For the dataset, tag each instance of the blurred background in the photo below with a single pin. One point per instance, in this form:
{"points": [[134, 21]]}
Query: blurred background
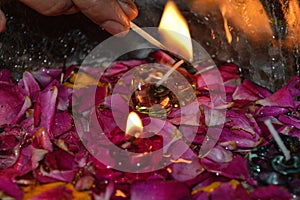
{"points": [[261, 36]]}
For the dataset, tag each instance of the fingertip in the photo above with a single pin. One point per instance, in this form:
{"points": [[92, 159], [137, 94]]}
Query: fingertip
{"points": [[129, 8], [2, 21], [114, 27]]}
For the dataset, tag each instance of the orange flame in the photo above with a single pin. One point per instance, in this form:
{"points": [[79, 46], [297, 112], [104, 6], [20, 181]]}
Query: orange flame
{"points": [[293, 24], [249, 17], [134, 126], [175, 31]]}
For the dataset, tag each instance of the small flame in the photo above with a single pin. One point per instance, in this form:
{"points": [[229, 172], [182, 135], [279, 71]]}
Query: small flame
{"points": [[134, 126], [175, 31]]}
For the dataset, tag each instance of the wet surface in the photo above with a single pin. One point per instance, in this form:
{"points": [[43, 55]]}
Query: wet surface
{"points": [[32, 41]]}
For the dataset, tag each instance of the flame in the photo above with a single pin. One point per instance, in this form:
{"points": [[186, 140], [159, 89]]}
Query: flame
{"points": [[134, 126], [226, 26], [175, 31], [249, 17], [293, 24]]}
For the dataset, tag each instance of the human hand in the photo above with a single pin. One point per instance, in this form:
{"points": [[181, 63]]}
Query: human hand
{"points": [[112, 15]]}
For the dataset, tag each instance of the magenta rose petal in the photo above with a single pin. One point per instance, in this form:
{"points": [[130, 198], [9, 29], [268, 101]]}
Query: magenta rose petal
{"points": [[27, 104], [41, 140], [55, 175], [240, 120], [201, 196], [231, 193], [238, 138], [186, 167], [11, 103], [270, 111], [48, 101], [159, 190], [62, 123], [229, 71], [29, 86], [58, 166], [10, 188], [283, 97], [237, 168], [46, 76], [289, 120], [36, 121], [293, 86], [62, 97], [270, 192], [243, 93], [27, 161], [250, 91], [219, 154]]}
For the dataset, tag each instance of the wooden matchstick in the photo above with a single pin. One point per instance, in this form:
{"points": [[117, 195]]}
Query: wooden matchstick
{"points": [[147, 36]]}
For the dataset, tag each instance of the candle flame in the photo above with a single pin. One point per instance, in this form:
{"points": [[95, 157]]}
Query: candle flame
{"points": [[134, 126], [175, 32]]}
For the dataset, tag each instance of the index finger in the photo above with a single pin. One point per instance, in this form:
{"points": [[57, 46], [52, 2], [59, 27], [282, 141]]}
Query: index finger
{"points": [[108, 13]]}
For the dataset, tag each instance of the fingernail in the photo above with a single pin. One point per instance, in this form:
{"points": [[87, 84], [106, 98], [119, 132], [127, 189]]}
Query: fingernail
{"points": [[129, 8], [128, 3], [113, 27]]}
